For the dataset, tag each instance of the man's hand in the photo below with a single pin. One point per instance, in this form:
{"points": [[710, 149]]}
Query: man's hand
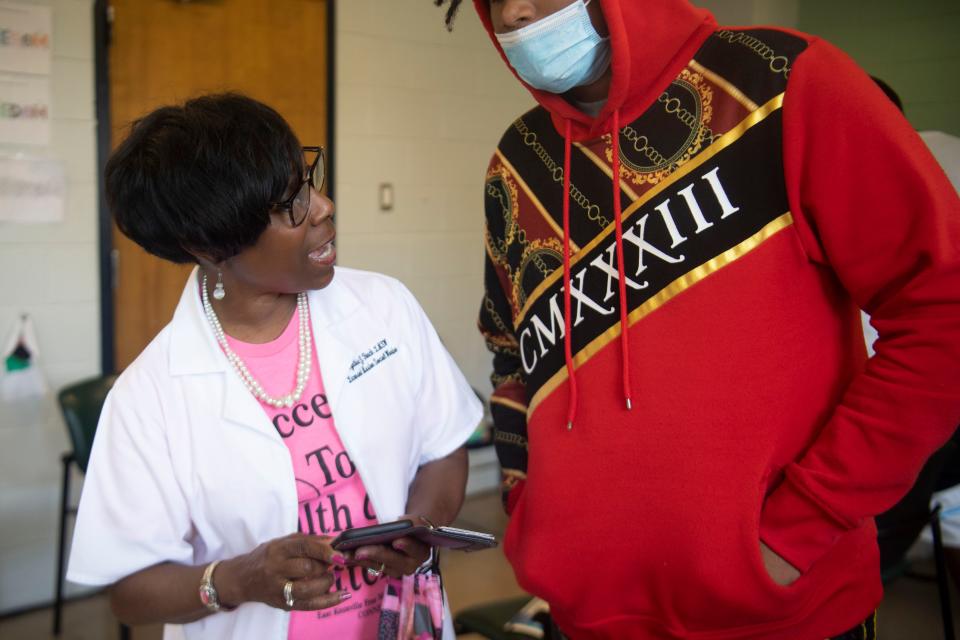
{"points": [[779, 570]]}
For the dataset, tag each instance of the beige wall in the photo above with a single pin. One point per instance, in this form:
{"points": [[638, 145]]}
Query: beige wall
{"points": [[747, 12], [422, 109], [50, 271]]}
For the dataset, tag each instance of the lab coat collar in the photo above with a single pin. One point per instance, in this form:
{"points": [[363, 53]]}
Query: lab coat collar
{"points": [[194, 349], [330, 310]]}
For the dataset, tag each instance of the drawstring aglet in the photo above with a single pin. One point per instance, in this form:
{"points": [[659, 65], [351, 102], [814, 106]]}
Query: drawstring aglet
{"points": [[569, 425], [629, 405]]}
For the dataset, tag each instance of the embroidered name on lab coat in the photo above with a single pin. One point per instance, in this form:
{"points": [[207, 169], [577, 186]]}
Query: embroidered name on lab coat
{"points": [[370, 358]]}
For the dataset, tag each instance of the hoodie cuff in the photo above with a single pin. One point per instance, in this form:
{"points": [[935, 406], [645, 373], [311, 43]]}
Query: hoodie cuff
{"points": [[796, 527]]}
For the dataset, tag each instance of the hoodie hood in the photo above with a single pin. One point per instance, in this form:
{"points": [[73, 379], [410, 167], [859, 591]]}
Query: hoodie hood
{"points": [[651, 41]]}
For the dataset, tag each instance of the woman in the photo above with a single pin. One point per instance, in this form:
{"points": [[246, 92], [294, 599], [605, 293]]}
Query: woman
{"points": [[281, 405]]}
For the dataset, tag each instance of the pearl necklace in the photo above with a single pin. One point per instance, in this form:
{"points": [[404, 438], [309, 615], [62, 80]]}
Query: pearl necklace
{"points": [[303, 367]]}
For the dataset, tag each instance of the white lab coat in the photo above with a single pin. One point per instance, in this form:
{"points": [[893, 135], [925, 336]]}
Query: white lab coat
{"points": [[187, 468]]}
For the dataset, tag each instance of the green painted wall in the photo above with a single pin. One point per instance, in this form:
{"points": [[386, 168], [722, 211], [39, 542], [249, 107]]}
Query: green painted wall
{"points": [[914, 45]]}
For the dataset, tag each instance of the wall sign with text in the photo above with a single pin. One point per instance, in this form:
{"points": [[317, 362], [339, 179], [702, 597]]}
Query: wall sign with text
{"points": [[26, 38]]}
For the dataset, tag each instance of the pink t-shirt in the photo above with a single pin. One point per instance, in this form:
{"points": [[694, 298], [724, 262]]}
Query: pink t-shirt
{"points": [[331, 493]]}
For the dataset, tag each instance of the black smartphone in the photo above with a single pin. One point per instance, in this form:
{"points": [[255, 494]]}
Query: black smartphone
{"points": [[374, 534], [446, 537]]}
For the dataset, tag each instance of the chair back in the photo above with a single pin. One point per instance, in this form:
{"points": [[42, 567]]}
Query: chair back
{"points": [[81, 404]]}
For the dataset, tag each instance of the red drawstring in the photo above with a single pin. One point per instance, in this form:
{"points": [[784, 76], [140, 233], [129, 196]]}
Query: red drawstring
{"points": [[567, 324], [618, 219]]}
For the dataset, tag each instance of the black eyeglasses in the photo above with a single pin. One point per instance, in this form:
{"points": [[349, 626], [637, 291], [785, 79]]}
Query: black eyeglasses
{"points": [[297, 206]]}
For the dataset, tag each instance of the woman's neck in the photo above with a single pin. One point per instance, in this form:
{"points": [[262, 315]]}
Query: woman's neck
{"points": [[252, 317]]}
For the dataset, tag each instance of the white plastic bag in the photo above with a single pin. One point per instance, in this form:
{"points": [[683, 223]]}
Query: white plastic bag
{"points": [[20, 377]]}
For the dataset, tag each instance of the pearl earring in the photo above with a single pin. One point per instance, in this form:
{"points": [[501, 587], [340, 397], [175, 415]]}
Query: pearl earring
{"points": [[218, 292]]}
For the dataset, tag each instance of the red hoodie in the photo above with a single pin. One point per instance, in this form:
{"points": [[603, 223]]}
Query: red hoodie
{"points": [[767, 190]]}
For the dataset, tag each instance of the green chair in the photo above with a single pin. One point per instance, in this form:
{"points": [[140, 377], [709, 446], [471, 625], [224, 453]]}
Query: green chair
{"points": [[80, 404]]}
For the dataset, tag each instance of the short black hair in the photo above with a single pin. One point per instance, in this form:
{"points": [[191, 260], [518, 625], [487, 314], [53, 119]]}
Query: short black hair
{"points": [[451, 11], [199, 178]]}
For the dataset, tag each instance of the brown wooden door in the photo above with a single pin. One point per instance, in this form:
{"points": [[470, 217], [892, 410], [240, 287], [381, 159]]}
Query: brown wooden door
{"points": [[166, 51]]}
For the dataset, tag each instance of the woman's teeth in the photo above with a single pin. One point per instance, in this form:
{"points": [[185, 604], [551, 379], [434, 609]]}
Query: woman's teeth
{"points": [[324, 253]]}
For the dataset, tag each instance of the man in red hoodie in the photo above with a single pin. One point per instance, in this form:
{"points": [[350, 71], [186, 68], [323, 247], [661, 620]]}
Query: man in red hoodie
{"points": [[679, 240]]}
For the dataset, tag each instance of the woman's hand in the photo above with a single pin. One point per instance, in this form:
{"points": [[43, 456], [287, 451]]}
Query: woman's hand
{"points": [[779, 570], [402, 557], [260, 576], [437, 492]]}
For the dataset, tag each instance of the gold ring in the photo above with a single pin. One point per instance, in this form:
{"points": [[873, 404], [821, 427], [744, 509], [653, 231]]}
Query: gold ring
{"points": [[288, 594]]}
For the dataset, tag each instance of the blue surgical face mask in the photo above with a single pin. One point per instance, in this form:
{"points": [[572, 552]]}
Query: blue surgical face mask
{"points": [[559, 52]]}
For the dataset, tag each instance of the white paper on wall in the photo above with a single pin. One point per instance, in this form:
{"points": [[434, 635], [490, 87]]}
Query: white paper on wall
{"points": [[32, 189], [26, 38], [24, 109]]}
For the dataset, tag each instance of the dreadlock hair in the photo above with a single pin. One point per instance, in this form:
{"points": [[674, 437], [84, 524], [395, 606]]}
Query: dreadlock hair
{"points": [[451, 11]]}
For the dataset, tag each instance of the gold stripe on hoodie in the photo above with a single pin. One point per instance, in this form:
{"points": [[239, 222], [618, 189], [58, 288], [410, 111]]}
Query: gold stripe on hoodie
{"points": [[666, 294], [506, 402], [533, 198], [719, 145], [724, 84]]}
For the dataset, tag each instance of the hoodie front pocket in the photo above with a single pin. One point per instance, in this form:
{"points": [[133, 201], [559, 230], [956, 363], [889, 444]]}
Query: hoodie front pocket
{"points": [[731, 589]]}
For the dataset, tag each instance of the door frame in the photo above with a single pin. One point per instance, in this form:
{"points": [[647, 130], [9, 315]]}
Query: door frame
{"points": [[102, 35]]}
